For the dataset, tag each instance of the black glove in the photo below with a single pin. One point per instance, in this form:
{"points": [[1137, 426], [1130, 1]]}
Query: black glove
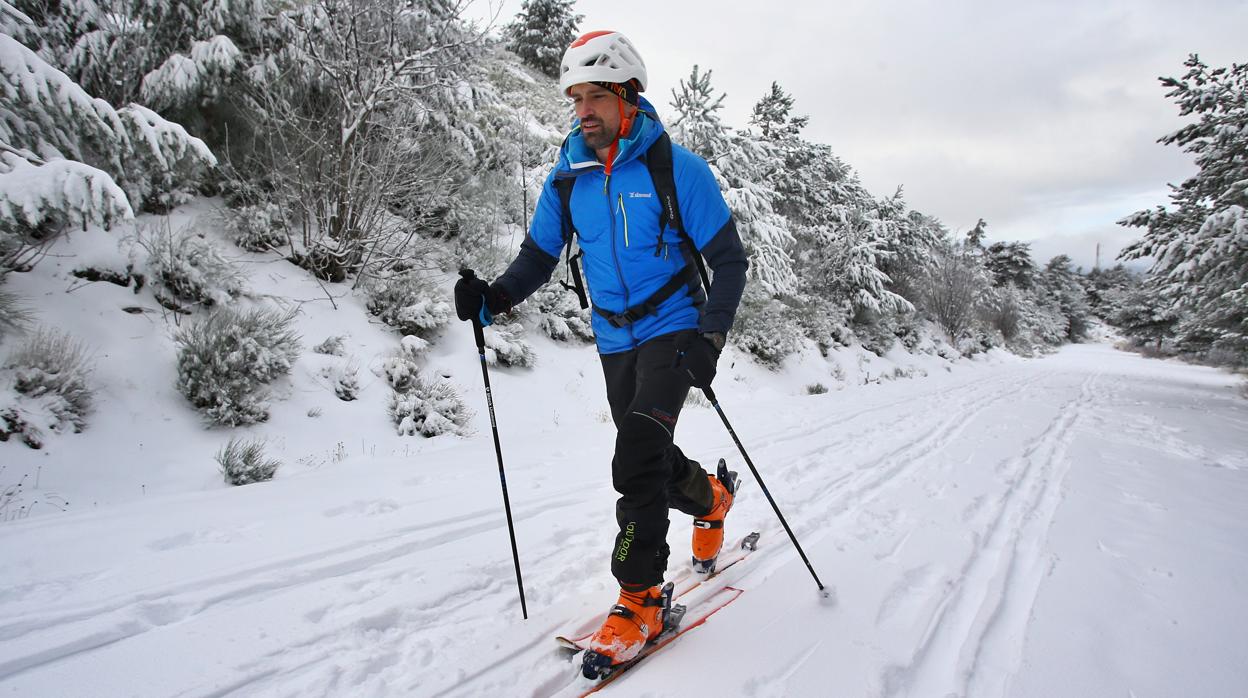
{"points": [[477, 300], [696, 357]]}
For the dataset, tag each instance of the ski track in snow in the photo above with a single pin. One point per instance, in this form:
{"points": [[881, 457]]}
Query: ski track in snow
{"points": [[945, 508], [974, 641]]}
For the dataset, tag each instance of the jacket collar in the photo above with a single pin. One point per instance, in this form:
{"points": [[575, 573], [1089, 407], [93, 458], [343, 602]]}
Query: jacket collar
{"points": [[577, 158]]}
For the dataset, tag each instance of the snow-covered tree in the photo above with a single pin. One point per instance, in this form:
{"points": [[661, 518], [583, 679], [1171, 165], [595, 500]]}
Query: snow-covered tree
{"points": [[954, 289], [359, 137], [1065, 287], [847, 266], [165, 53], [1200, 247], [1108, 288], [742, 160], [542, 31], [975, 236], [698, 125], [1010, 263], [1146, 317], [67, 158]]}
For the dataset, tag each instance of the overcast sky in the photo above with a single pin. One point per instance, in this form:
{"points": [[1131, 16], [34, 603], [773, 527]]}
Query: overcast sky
{"points": [[1040, 117]]}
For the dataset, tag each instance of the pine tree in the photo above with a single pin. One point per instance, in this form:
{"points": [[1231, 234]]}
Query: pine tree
{"points": [[1064, 286], [69, 158], [160, 52], [697, 125], [1145, 317], [542, 31], [1010, 263], [1200, 248], [975, 236], [742, 160]]}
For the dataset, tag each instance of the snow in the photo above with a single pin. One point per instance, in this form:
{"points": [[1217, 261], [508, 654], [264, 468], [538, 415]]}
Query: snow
{"points": [[30, 193], [1071, 525]]}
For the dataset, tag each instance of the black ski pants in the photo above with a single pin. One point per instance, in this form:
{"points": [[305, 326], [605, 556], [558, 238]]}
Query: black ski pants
{"points": [[648, 470]]}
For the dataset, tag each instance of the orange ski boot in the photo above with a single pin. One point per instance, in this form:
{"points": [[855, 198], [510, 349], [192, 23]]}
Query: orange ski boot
{"points": [[637, 619], [708, 531]]}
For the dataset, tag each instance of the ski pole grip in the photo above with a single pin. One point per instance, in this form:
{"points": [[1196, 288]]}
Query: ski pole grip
{"points": [[710, 395], [478, 331]]}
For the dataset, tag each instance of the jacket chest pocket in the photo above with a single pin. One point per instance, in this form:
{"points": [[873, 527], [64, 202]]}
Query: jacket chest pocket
{"points": [[637, 216]]}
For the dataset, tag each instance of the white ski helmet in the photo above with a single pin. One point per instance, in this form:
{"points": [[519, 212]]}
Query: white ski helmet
{"points": [[601, 56]]}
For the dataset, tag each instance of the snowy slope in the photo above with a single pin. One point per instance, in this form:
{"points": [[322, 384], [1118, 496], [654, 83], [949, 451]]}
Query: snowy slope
{"points": [[1071, 526], [1065, 526]]}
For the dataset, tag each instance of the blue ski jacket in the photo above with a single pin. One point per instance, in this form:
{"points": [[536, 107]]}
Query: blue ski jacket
{"points": [[627, 258]]}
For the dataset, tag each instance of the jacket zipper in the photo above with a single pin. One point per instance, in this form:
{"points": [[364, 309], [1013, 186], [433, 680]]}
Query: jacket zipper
{"points": [[615, 257], [623, 213]]}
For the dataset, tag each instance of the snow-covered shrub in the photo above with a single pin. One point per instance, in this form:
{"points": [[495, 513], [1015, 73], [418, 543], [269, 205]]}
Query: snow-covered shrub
{"points": [[559, 315], [243, 462], [225, 359], [401, 372], [344, 380], [874, 331], [257, 227], [429, 408], [52, 369], [504, 346], [332, 346], [765, 329], [14, 313], [816, 389], [826, 324], [184, 267], [410, 303]]}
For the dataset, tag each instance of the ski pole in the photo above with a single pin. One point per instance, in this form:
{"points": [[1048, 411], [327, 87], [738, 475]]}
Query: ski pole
{"points": [[710, 395], [479, 332]]}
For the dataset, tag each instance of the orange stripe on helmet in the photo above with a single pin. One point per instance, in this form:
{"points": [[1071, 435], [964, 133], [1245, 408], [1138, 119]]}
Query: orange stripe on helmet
{"points": [[592, 35]]}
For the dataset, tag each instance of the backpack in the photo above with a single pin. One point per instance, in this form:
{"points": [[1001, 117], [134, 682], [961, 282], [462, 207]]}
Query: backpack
{"points": [[659, 162]]}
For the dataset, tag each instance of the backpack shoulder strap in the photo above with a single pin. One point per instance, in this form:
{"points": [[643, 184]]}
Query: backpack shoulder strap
{"points": [[659, 162], [564, 185]]}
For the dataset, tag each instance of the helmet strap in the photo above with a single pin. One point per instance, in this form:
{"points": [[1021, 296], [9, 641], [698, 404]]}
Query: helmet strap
{"points": [[626, 125]]}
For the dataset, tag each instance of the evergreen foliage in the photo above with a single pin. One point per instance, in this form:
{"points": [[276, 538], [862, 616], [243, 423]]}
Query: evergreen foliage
{"points": [[69, 158], [541, 32], [1200, 246]]}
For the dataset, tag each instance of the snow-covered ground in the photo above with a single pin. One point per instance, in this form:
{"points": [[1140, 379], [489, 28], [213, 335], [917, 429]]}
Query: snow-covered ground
{"points": [[1067, 526], [1071, 526]]}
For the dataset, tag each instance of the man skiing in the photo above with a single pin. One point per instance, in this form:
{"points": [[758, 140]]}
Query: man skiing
{"points": [[658, 332]]}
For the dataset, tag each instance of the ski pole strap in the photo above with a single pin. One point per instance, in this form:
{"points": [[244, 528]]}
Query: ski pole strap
{"points": [[687, 277]]}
